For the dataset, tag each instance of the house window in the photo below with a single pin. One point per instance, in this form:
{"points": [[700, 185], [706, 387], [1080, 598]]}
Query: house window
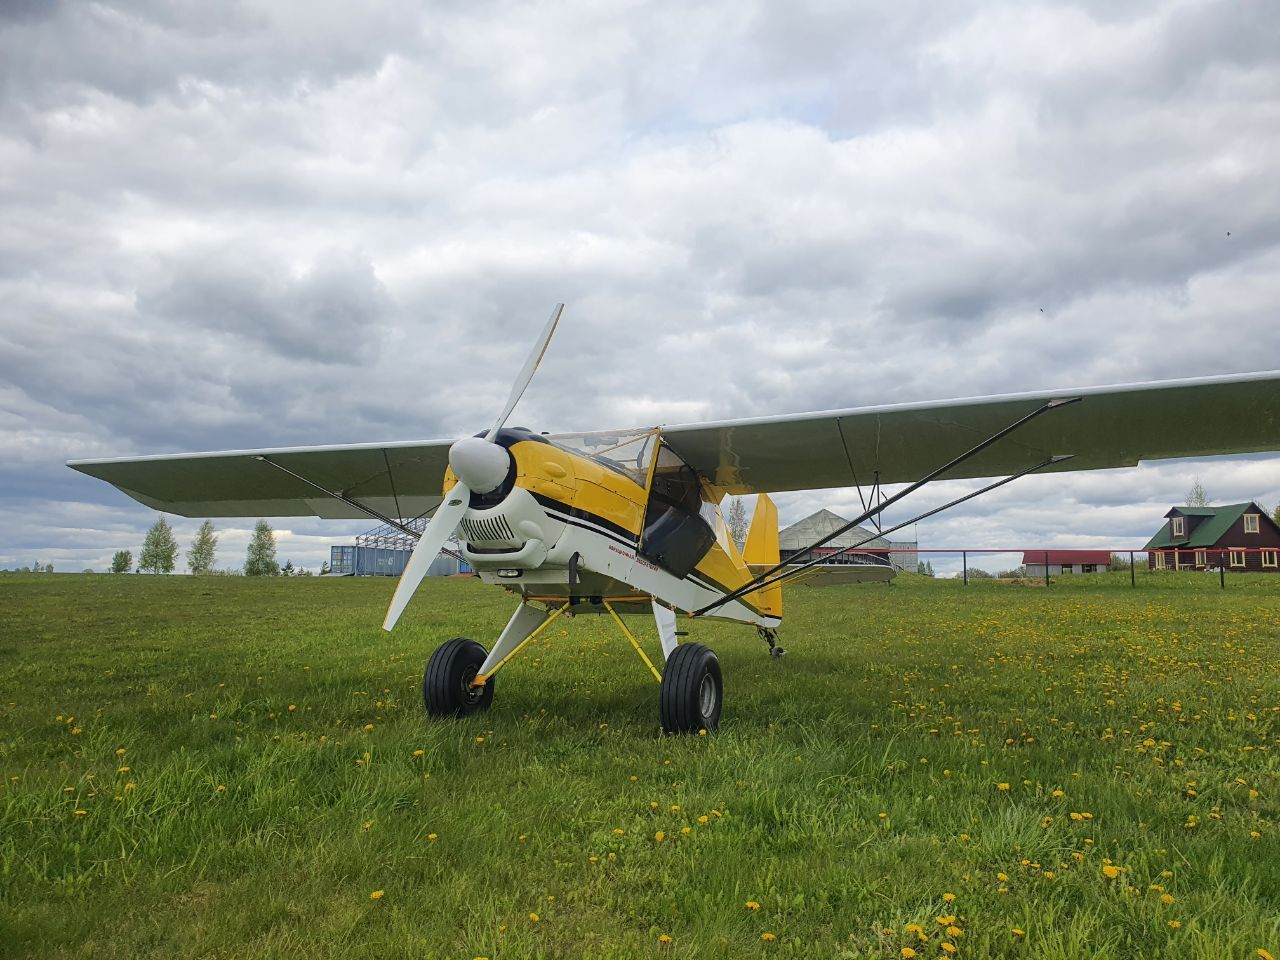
{"points": [[1159, 559], [1271, 558], [1202, 558], [1251, 523], [1237, 557], [1179, 527]]}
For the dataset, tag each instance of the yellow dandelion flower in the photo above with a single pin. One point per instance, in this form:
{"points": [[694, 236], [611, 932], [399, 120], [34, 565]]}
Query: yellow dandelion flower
{"points": [[947, 947], [1058, 794], [768, 937], [704, 819], [1002, 786], [1175, 924], [419, 753], [908, 953], [618, 831], [954, 932], [293, 708], [1166, 898], [436, 836], [1264, 955], [752, 905], [376, 895], [1017, 932], [664, 939], [686, 830], [949, 897], [368, 727], [534, 918], [222, 788], [659, 836], [81, 813], [1002, 877], [123, 770], [1110, 871], [119, 751], [593, 859]]}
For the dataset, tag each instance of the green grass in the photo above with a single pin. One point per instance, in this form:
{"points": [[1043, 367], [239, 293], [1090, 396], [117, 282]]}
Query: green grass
{"points": [[852, 785]]}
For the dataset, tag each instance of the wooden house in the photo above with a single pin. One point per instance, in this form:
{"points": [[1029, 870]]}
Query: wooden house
{"points": [[1239, 536]]}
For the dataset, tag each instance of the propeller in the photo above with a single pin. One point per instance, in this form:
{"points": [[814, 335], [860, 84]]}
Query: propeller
{"points": [[480, 465]]}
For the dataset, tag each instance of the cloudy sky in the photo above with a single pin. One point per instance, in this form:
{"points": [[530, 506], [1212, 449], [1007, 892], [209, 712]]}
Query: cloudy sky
{"points": [[274, 223]]}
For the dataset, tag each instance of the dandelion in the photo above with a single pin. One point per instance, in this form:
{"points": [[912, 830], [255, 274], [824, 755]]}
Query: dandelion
{"points": [[752, 905], [534, 918], [618, 831], [433, 836], [419, 753], [81, 813], [1166, 898], [704, 820], [954, 932], [659, 836], [1002, 786], [686, 830], [1018, 932], [293, 708], [949, 897], [1175, 924], [376, 895], [1002, 877], [1264, 955], [768, 937], [947, 947], [368, 727], [908, 953], [664, 939], [119, 751], [1110, 871], [1057, 794]]}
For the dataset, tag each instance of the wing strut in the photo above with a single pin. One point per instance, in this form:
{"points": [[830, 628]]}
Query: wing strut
{"points": [[796, 571], [356, 504], [764, 578]]}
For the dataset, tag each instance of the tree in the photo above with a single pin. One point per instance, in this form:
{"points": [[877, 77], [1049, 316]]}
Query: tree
{"points": [[926, 568], [203, 548], [121, 561], [1197, 497], [287, 569], [160, 549], [324, 567], [261, 558], [736, 521], [1275, 514], [48, 568]]}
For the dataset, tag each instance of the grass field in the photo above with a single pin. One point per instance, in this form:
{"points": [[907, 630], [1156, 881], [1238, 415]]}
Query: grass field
{"points": [[241, 768]]}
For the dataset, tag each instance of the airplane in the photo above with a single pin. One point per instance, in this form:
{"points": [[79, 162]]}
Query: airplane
{"points": [[627, 522]]}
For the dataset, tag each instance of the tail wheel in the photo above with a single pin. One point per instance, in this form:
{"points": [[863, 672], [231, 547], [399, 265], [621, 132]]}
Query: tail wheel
{"points": [[446, 687], [692, 690]]}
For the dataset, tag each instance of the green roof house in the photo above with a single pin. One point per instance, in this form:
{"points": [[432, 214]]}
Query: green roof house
{"points": [[1239, 536]]}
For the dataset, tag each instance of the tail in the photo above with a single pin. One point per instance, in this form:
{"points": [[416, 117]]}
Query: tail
{"points": [[761, 552]]}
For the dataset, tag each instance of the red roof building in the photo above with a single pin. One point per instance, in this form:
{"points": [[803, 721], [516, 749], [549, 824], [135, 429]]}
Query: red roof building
{"points": [[1065, 561]]}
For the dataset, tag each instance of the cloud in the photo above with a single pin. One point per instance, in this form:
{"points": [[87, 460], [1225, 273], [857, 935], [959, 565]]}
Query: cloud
{"points": [[287, 223]]}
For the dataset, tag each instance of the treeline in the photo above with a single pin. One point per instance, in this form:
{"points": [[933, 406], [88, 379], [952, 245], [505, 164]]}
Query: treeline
{"points": [[159, 554]]}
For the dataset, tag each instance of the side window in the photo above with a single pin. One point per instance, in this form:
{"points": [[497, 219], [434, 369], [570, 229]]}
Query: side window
{"points": [[676, 535]]}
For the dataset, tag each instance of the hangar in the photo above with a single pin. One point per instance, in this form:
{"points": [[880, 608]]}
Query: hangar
{"points": [[794, 541]]}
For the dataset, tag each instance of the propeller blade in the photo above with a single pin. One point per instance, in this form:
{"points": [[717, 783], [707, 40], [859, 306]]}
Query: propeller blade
{"points": [[530, 365], [439, 530]]}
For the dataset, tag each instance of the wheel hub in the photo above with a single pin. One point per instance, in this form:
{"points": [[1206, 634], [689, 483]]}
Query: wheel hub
{"points": [[707, 696]]}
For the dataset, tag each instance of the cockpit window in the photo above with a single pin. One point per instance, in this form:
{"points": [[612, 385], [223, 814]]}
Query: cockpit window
{"points": [[628, 452], [676, 532]]}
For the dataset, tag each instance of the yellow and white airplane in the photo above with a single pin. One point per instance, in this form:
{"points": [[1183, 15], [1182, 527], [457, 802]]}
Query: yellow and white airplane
{"points": [[629, 521]]}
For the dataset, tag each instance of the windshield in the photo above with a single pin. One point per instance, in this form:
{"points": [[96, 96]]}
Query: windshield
{"points": [[629, 452]]}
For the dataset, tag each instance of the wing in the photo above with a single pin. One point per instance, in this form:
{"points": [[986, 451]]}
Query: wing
{"points": [[395, 479], [1111, 427]]}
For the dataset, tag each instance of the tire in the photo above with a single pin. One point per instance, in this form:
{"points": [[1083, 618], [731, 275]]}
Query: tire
{"points": [[446, 685], [692, 690]]}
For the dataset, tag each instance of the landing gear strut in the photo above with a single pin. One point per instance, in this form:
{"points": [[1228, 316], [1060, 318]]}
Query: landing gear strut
{"points": [[447, 689]]}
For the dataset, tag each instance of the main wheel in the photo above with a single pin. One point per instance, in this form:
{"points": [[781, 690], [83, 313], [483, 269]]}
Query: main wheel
{"points": [[692, 690], [446, 687]]}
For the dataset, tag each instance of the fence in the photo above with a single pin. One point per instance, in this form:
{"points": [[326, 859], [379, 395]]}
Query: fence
{"points": [[1235, 560]]}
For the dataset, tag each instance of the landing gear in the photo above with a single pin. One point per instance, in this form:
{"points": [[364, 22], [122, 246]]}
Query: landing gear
{"points": [[771, 638], [446, 689], [692, 690]]}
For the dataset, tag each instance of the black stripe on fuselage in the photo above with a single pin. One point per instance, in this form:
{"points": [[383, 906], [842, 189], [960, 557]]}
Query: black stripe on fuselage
{"points": [[569, 514]]}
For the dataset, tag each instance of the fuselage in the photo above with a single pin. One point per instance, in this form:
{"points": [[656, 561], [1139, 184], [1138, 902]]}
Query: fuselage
{"points": [[613, 517]]}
